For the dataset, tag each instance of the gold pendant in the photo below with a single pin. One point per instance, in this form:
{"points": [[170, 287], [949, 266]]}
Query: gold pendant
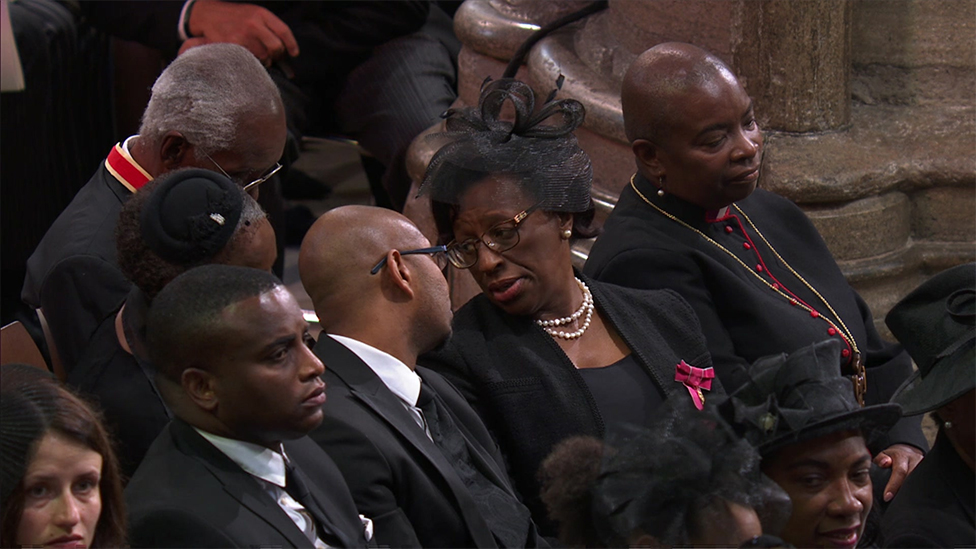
{"points": [[859, 379]]}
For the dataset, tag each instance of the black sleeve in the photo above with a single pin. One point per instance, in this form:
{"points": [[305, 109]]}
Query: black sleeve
{"points": [[76, 296], [148, 22], [887, 366], [369, 477]]}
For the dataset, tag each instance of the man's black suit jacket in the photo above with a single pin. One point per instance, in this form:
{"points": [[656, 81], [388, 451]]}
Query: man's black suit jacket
{"points": [[187, 493], [398, 477], [74, 272]]}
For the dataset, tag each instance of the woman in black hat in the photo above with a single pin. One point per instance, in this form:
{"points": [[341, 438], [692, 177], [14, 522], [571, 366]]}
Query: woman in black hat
{"points": [[802, 416], [687, 480], [61, 483], [937, 325], [180, 220], [543, 353]]}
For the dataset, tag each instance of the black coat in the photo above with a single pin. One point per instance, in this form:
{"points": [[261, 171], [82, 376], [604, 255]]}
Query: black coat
{"points": [[187, 493], [743, 319], [74, 274], [397, 476], [934, 508], [532, 397]]}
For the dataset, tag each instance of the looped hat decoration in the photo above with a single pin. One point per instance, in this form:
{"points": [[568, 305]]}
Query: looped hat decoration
{"points": [[536, 149]]}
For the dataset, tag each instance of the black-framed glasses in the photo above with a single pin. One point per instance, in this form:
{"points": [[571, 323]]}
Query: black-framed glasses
{"points": [[254, 183], [499, 238], [437, 253]]}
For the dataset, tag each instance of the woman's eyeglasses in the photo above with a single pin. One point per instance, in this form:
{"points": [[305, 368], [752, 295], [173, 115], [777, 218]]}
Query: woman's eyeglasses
{"points": [[437, 253], [254, 183], [500, 238]]}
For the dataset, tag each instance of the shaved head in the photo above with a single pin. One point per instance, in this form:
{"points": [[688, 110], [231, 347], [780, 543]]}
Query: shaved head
{"points": [[660, 74], [341, 248]]}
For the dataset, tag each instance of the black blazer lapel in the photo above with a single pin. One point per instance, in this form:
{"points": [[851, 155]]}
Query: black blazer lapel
{"points": [[238, 484], [366, 386]]}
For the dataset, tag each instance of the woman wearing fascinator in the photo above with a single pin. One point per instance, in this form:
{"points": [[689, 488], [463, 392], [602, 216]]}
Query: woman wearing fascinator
{"points": [[937, 325], [688, 480], [544, 353]]}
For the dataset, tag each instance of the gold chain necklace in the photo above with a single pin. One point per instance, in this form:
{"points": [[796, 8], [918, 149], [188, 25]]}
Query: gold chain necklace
{"points": [[859, 378]]}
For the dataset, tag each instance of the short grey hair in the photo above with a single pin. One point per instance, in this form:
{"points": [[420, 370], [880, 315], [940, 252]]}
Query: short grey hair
{"points": [[206, 93]]}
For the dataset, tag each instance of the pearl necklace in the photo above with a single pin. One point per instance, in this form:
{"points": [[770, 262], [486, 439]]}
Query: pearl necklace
{"points": [[586, 308]]}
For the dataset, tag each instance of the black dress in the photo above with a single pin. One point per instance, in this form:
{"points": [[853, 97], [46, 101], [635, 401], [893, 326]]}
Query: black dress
{"points": [[122, 388]]}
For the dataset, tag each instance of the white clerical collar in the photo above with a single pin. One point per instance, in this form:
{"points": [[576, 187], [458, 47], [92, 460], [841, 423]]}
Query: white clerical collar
{"points": [[125, 144], [256, 460], [397, 376]]}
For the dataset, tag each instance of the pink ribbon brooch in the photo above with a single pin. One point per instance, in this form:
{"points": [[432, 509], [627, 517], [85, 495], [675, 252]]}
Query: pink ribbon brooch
{"points": [[694, 379]]}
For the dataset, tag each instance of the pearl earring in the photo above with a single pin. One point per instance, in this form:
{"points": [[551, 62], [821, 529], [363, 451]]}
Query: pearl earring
{"points": [[660, 189], [567, 233], [948, 425]]}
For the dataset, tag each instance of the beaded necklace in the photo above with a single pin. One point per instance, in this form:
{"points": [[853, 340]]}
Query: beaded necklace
{"points": [[859, 378], [585, 309]]}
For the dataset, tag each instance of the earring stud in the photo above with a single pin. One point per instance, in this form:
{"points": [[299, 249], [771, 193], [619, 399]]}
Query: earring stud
{"points": [[567, 233]]}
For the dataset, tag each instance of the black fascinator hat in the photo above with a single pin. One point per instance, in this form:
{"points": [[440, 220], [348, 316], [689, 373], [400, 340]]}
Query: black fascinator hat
{"points": [[191, 215], [663, 480], [802, 396], [936, 324], [537, 149]]}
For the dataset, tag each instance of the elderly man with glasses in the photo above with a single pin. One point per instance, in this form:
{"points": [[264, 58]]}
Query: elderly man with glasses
{"points": [[214, 107], [417, 458]]}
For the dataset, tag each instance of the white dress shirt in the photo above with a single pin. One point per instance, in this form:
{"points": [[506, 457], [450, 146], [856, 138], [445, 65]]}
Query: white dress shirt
{"points": [[268, 467], [397, 376]]}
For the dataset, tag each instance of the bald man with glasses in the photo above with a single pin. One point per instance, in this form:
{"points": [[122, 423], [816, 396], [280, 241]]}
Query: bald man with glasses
{"points": [[417, 458]]}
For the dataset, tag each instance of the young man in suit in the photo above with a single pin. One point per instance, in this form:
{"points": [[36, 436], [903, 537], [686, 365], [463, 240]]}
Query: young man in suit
{"points": [[234, 469], [416, 456]]}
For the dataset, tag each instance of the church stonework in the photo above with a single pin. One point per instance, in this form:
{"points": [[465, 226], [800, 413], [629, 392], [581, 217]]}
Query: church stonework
{"points": [[868, 109]]}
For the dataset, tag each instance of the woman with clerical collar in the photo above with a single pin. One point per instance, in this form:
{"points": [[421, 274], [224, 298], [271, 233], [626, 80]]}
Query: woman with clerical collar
{"points": [[544, 353], [753, 267], [937, 324], [813, 436]]}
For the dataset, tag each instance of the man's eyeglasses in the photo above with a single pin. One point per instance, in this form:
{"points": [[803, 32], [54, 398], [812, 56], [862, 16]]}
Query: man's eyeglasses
{"points": [[436, 253], [254, 183], [500, 238]]}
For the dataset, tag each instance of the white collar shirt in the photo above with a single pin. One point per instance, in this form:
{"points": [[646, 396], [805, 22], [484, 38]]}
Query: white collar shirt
{"points": [[268, 467], [397, 376]]}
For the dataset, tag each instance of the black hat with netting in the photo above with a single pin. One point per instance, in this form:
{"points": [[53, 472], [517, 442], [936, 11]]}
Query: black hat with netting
{"points": [[665, 480], [536, 150]]}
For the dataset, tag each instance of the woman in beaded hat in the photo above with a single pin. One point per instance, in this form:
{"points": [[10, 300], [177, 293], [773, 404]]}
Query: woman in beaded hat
{"points": [[813, 437], [61, 484], [686, 480], [937, 325], [543, 353], [180, 220]]}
